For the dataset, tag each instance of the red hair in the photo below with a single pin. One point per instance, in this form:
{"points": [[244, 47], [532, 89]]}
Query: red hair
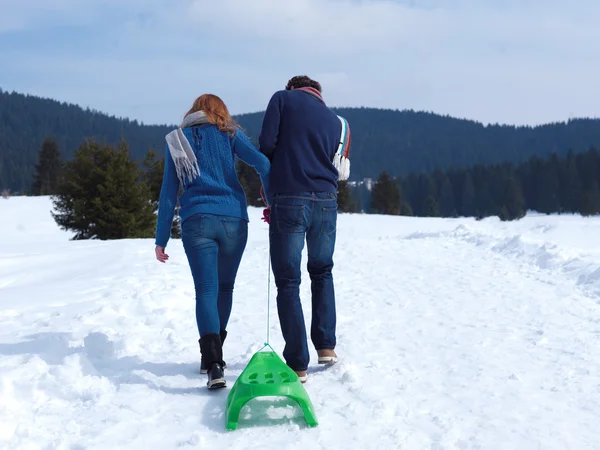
{"points": [[216, 111]]}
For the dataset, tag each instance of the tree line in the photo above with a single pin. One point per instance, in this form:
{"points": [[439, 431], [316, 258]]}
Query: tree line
{"points": [[103, 193], [568, 184], [402, 142]]}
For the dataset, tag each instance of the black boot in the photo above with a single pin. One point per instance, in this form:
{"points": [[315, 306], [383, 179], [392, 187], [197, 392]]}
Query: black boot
{"points": [[203, 369], [212, 353]]}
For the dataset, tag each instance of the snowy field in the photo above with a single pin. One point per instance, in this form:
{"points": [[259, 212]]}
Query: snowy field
{"points": [[453, 334]]}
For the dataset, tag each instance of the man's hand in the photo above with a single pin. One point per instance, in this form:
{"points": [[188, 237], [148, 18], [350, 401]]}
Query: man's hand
{"points": [[160, 254]]}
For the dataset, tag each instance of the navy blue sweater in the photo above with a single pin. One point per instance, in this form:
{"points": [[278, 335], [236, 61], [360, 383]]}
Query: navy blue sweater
{"points": [[300, 135]]}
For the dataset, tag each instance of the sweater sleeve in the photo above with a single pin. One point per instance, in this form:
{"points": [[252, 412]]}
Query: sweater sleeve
{"points": [[244, 149], [167, 202], [270, 126]]}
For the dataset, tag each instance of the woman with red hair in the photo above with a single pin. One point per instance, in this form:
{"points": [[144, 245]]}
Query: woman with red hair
{"points": [[214, 218]]}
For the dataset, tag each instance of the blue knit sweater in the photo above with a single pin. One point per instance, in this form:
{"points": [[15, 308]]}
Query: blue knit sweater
{"points": [[300, 135], [217, 190]]}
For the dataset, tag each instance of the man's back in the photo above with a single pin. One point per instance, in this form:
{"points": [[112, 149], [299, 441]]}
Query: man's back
{"points": [[300, 135]]}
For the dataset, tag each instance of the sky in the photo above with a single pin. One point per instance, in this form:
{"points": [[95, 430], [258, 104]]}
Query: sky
{"points": [[517, 62]]}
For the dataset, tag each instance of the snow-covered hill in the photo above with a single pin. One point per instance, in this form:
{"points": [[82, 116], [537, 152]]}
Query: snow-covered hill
{"points": [[453, 334]]}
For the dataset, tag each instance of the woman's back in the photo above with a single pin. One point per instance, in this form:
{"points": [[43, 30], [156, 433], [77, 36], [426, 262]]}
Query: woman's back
{"points": [[217, 189]]}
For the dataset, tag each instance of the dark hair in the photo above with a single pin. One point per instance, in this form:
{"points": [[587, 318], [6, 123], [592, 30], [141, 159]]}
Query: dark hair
{"points": [[302, 81]]}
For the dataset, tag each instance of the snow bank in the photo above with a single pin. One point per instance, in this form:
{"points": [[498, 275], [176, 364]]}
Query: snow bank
{"points": [[574, 254]]}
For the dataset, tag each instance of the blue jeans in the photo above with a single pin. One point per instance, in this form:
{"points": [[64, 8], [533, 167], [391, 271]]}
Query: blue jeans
{"points": [[294, 218], [214, 246]]}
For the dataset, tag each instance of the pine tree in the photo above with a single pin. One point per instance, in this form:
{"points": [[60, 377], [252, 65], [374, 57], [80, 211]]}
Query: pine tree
{"points": [[47, 170], [426, 189], [547, 188], [570, 184], [431, 208], [514, 203], [410, 189], [250, 182], [527, 179], [590, 202], [344, 199], [386, 196], [361, 196], [153, 176], [406, 210], [587, 165], [446, 197], [468, 197], [102, 195], [484, 201]]}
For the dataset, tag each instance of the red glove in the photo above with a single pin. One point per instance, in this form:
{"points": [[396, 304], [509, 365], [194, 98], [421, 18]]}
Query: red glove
{"points": [[266, 215]]}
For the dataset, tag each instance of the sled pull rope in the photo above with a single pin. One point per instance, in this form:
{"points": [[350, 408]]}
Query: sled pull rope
{"points": [[268, 303], [268, 307]]}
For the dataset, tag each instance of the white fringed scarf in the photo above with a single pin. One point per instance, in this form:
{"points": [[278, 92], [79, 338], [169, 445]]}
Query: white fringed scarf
{"points": [[181, 151]]}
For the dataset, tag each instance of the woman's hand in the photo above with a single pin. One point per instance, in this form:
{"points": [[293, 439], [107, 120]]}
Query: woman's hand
{"points": [[160, 254], [264, 197], [266, 215]]}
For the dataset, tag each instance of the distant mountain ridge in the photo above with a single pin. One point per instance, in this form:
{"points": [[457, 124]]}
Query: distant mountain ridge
{"points": [[400, 142]]}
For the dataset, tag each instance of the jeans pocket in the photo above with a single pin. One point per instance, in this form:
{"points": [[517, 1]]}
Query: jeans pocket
{"points": [[235, 228], [329, 221], [192, 231], [193, 226], [289, 219]]}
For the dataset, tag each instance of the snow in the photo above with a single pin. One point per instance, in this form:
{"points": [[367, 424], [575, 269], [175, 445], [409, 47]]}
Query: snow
{"points": [[453, 334]]}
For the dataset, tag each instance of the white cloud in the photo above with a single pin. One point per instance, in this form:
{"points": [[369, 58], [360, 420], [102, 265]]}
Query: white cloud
{"points": [[495, 61], [313, 25]]}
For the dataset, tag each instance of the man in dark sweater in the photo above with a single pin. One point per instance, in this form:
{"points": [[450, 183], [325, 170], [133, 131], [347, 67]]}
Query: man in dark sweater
{"points": [[302, 138]]}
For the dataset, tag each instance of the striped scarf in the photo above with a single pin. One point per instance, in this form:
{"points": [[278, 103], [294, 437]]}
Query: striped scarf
{"points": [[312, 91]]}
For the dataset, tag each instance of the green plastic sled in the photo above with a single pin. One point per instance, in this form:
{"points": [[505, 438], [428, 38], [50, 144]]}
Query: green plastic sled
{"points": [[266, 375]]}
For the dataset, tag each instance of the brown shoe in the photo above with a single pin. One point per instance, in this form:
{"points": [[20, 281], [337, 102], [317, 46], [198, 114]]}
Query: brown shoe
{"points": [[302, 375], [327, 356]]}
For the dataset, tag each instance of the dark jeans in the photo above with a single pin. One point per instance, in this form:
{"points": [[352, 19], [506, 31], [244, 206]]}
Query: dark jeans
{"points": [[214, 246], [293, 218]]}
